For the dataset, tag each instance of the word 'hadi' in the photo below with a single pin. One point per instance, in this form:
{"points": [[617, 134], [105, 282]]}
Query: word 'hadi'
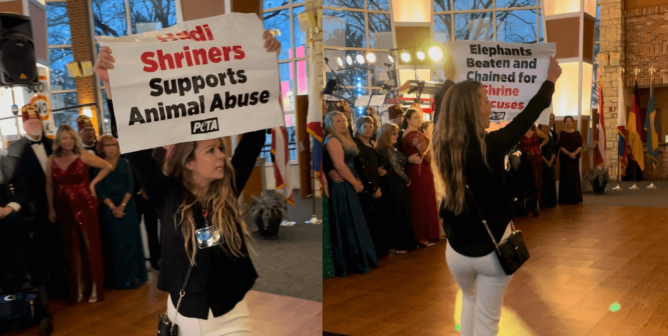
{"points": [[200, 33]]}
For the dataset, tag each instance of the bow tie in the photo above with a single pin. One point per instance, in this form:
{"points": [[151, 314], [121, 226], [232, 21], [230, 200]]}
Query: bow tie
{"points": [[39, 142]]}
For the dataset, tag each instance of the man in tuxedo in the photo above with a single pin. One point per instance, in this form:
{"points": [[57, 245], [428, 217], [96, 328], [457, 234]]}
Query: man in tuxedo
{"points": [[87, 134], [45, 246]]}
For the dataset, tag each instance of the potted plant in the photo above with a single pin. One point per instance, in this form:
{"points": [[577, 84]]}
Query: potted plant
{"points": [[598, 177], [268, 211]]}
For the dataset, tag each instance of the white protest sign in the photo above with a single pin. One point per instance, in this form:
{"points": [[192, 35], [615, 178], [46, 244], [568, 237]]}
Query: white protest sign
{"points": [[510, 73], [198, 80], [38, 95]]}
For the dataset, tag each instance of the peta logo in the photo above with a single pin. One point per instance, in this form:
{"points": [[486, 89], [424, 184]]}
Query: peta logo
{"points": [[204, 126]]}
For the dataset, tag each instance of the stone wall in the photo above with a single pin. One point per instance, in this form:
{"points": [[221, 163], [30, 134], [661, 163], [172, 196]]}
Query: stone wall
{"points": [[612, 41]]}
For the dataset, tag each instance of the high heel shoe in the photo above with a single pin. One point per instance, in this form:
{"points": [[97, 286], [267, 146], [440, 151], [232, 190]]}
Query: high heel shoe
{"points": [[80, 290], [93, 294]]}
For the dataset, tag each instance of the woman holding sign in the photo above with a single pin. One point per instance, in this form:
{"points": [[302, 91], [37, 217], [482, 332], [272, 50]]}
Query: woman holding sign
{"points": [[469, 158], [204, 236]]}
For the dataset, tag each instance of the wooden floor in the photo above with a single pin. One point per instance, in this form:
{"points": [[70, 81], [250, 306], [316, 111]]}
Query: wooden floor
{"points": [[583, 260], [135, 312]]}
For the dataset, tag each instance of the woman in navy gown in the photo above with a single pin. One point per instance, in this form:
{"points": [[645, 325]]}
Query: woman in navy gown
{"points": [[124, 255], [352, 248]]}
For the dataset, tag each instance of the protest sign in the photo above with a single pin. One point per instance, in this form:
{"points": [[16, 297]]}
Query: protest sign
{"points": [[198, 80], [511, 74], [38, 95]]}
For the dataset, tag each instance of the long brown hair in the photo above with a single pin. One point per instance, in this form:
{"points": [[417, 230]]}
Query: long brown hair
{"points": [[407, 116], [58, 150], [220, 200], [346, 139], [459, 120], [384, 134]]}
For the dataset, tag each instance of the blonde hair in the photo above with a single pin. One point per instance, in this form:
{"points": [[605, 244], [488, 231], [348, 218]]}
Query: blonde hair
{"points": [[346, 139], [220, 201], [458, 121], [58, 150], [384, 134]]}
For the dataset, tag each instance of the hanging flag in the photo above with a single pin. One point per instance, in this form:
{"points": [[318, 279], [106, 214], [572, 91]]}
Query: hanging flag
{"points": [[279, 147], [600, 137], [635, 130], [314, 123], [650, 127], [621, 128]]}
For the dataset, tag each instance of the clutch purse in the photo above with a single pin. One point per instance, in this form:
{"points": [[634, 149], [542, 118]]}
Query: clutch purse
{"points": [[512, 252], [165, 326]]}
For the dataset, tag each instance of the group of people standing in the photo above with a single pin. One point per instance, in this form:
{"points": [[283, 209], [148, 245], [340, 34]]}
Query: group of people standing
{"points": [[539, 149], [75, 196], [381, 197]]}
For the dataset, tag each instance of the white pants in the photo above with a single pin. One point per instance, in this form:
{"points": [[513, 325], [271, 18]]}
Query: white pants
{"points": [[483, 283], [236, 322]]}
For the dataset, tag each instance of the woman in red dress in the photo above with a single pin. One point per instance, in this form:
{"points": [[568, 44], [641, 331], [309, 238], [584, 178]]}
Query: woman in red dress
{"points": [[421, 190], [531, 144], [72, 200]]}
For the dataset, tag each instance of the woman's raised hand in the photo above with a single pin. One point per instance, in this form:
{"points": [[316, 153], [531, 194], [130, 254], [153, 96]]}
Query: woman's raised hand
{"points": [[553, 70], [104, 62], [271, 44]]}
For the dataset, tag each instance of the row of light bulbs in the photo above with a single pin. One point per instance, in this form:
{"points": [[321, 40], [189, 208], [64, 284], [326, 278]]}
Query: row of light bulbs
{"points": [[435, 54], [370, 58]]}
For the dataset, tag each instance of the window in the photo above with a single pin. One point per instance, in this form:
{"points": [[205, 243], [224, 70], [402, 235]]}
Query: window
{"points": [[118, 17], [358, 39], [512, 21], [63, 87], [281, 16]]}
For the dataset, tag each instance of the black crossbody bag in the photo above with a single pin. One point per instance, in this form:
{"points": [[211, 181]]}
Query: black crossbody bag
{"points": [[165, 326], [512, 252]]}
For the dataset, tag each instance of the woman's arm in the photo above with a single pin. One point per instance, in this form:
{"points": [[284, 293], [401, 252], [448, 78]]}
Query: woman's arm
{"points": [[129, 184], [335, 150], [391, 158], [543, 136], [501, 141], [153, 182], [96, 162], [504, 139], [563, 150], [245, 156], [49, 188]]}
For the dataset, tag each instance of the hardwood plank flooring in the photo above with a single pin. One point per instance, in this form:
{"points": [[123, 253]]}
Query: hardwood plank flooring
{"points": [[135, 313], [584, 258]]}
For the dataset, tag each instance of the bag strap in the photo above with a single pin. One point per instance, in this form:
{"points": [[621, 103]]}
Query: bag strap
{"points": [[182, 293], [484, 222]]}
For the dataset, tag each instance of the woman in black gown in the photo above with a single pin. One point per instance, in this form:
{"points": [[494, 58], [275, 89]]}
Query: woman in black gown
{"points": [[549, 189], [570, 146], [369, 171], [396, 215]]}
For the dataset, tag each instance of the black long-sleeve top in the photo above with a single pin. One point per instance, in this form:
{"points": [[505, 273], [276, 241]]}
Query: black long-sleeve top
{"points": [[218, 281], [466, 233], [366, 165]]}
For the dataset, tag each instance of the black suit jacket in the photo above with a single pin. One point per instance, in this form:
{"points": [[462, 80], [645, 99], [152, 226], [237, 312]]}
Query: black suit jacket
{"points": [[33, 176]]}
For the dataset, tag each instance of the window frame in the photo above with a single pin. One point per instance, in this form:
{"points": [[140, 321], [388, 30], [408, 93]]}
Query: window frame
{"points": [[369, 88], [452, 12], [58, 46]]}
